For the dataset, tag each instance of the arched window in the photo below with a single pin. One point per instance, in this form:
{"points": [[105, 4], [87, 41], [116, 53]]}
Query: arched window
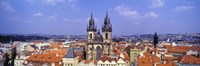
{"points": [[106, 35], [90, 36]]}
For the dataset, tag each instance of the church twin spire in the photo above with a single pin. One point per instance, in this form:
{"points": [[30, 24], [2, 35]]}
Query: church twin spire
{"points": [[106, 26], [95, 38]]}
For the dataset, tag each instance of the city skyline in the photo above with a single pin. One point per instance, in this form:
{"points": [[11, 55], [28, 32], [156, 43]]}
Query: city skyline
{"points": [[72, 16]]}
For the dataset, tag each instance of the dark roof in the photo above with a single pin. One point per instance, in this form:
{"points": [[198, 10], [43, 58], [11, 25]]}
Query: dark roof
{"points": [[33, 46], [70, 53]]}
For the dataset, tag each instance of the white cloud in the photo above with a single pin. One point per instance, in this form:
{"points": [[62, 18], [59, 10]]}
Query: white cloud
{"points": [[126, 11], [70, 3], [6, 6], [157, 3], [38, 14], [133, 13], [72, 20], [54, 2], [52, 18], [183, 7], [151, 14]]}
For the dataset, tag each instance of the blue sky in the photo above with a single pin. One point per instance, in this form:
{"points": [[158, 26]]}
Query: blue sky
{"points": [[127, 16]]}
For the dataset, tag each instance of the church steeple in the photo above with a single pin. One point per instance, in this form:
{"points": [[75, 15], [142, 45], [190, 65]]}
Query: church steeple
{"points": [[107, 26], [91, 20], [107, 19], [91, 26]]}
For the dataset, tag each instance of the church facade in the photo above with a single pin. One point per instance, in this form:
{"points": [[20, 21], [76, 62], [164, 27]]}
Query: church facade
{"points": [[99, 44]]}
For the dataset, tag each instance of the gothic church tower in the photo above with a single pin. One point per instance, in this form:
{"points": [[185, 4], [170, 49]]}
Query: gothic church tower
{"points": [[91, 29], [97, 44]]}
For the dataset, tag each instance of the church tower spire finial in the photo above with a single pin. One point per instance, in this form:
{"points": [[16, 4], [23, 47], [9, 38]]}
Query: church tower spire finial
{"points": [[91, 15], [106, 14]]}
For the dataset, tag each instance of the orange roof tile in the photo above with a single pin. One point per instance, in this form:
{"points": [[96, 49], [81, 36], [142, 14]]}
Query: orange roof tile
{"points": [[80, 58], [182, 49], [155, 59], [58, 52], [126, 57], [44, 58], [116, 52], [147, 59], [189, 59], [144, 60], [106, 57], [168, 58]]}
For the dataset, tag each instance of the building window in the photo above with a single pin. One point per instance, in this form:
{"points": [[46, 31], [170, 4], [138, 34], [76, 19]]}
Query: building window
{"points": [[106, 35], [90, 36]]}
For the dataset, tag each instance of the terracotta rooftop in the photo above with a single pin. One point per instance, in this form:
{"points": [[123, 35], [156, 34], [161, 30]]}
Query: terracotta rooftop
{"points": [[189, 59], [126, 57], [44, 58], [147, 59], [168, 58], [106, 57], [80, 58], [144, 60], [116, 52], [58, 52], [155, 59], [182, 49]]}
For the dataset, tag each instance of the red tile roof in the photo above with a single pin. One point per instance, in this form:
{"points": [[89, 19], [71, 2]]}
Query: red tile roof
{"points": [[144, 60], [126, 57], [189, 59], [155, 59], [106, 57], [168, 58], [116, 52], [59, 52], [182, 49], [44, 57], [147, 59]]}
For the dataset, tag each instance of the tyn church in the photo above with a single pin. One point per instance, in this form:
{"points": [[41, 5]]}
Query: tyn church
{"points": [[97, 44]]}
